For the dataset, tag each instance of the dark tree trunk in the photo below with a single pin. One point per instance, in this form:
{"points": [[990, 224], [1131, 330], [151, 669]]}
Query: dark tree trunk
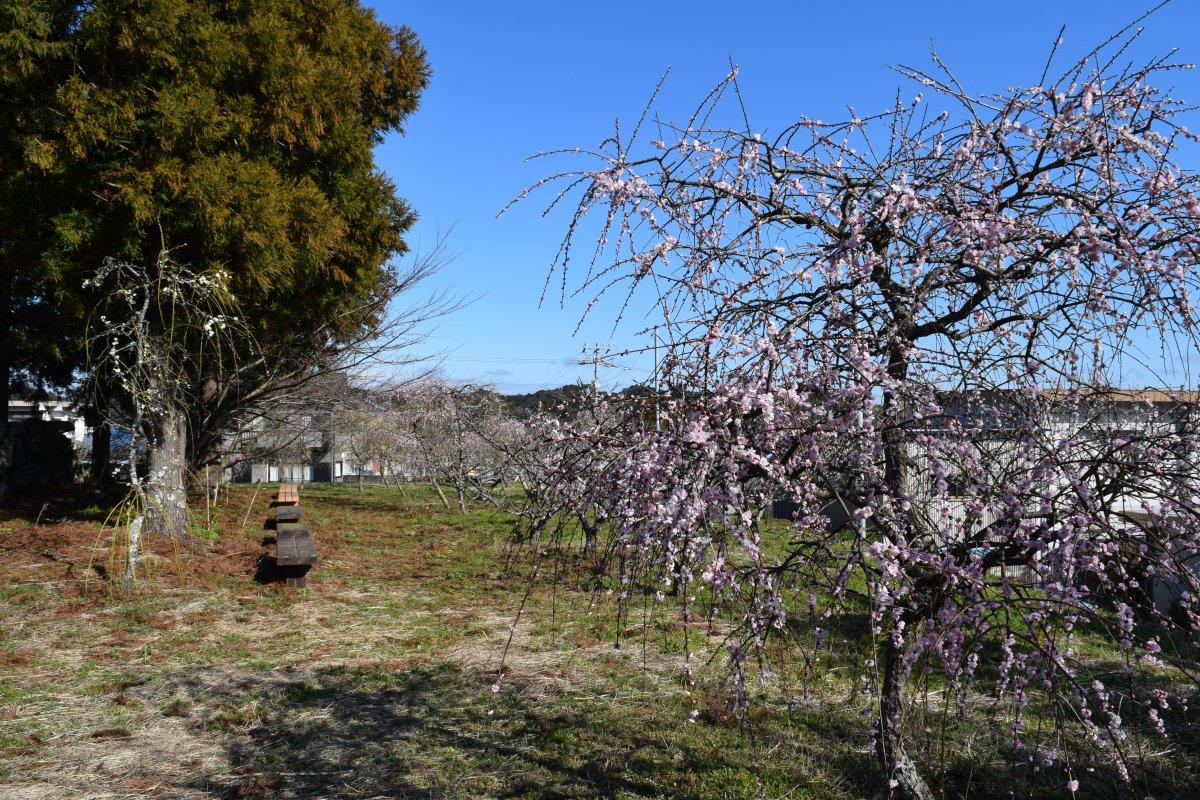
{"points": [[904, 781], [590, 535], [903, 777], [5, 374], [5, 431], [166, 495], [101, 447]]}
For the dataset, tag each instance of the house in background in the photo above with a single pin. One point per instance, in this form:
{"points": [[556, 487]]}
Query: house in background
{"points": [[47, 437], [998, 422], [61, 412], [314, 456]]}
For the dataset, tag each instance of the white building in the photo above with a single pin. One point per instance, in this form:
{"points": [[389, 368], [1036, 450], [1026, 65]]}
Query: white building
{"points": [[311, 457], [1080, 428], [60, 411], [997, 427]]}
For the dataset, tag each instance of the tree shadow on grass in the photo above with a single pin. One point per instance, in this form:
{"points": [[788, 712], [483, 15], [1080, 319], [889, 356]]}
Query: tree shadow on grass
{"points": [[400, 730], [435, 731]]}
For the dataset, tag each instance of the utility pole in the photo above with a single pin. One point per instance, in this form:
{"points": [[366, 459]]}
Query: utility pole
{"points": [[597, 360], [657, 412]]}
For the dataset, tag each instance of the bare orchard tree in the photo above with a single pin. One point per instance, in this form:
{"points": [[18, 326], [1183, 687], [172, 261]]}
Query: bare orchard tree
{"points": [[856, 309], [174, 325], [425, 416], [481, 431], [367, 435], [397, 448], [457, 434]]}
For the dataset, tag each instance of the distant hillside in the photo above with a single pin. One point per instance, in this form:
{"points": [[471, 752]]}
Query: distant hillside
{"points": [[524, 405], [546, 400]]}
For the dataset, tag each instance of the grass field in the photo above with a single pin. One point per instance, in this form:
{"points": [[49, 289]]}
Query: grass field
{"points": [[383, 678]]}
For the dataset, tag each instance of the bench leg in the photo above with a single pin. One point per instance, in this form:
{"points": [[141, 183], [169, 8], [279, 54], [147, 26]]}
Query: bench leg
{"points": [[295, 574]]}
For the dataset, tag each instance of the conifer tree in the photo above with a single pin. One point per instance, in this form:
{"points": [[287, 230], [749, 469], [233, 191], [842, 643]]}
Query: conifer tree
{"points": [[238, 137], [36, 345]]}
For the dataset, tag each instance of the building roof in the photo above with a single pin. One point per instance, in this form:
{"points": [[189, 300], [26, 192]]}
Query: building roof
{"points": [[1130, 395]]}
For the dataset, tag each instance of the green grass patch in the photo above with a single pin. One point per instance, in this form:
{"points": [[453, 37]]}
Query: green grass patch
{"points": [[377, 680]]}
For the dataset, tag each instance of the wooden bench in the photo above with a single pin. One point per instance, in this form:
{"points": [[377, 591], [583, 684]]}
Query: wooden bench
{"points": [[288, 495], [294, 545], [288, 513], [295, 549], [295, 552]]}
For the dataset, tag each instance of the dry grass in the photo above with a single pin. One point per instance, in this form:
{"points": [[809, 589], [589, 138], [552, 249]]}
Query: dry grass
{"points": [[377, 680], [206, 684]]}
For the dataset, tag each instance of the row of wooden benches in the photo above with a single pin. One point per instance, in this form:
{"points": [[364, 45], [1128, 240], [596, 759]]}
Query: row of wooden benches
{"points": [[295, 549]]}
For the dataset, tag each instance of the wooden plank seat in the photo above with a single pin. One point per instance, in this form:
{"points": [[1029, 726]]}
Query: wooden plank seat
{"points": [[288, 495], [295, 551], [294, 544], [288, 513]]}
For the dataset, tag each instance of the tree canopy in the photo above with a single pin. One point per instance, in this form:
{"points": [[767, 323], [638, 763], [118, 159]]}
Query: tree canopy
{"points": [[236, 136], [239, 135]]}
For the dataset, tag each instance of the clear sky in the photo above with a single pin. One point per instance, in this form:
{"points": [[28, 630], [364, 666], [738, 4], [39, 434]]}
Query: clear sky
{"points": [[514, 79]]}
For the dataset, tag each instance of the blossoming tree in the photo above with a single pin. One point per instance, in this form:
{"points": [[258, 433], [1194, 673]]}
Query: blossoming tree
{"points": [[170, 325], [884, 321]]}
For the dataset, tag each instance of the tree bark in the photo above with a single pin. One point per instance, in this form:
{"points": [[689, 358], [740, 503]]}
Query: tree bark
{"points": [[101, 447], [131, 560], [5, 370], [903, 777], [590, 534], [166, 496], [437, 487], [904, 781]]}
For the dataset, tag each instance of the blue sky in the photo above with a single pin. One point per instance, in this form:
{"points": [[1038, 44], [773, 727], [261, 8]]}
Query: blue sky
{"points": [[511, 80]]}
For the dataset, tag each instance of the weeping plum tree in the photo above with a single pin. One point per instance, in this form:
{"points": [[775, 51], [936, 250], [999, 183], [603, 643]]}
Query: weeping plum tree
{"points": [[175, 326], [914, 326]]}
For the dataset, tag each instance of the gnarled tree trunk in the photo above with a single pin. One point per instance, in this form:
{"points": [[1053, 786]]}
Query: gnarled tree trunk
{"points": [[904, 779], [165, 494]]}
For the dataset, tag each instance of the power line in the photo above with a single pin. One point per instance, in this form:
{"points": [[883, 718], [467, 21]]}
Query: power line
{"points": [[504, 359], [597, 360]]}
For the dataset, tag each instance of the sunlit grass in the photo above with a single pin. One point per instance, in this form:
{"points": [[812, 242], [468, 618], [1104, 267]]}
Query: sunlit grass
{"points": [[377, 680]]}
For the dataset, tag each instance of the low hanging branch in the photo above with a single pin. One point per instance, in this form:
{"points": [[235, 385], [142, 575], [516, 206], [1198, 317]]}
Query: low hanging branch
{"points": [[164, 330], [271, 401]]}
